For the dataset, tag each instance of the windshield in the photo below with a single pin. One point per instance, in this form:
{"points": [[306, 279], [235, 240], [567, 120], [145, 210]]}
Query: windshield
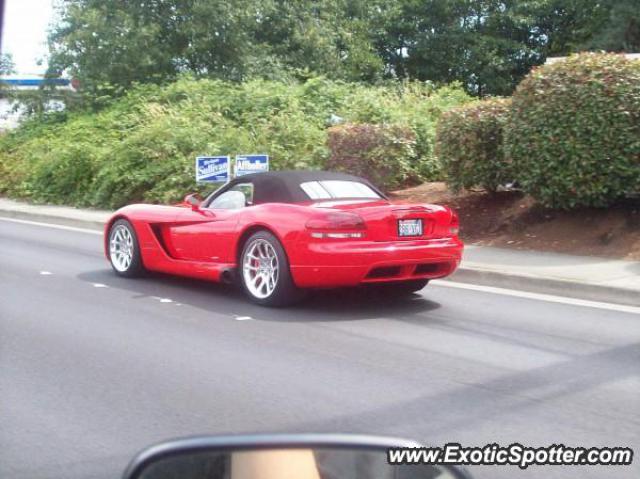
{"points": [[336, 189]]}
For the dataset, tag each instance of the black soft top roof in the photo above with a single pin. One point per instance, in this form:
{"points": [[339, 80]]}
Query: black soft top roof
{"points": [[284, 186]]}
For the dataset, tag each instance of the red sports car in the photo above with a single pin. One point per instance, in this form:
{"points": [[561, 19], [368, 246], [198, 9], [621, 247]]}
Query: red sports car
{"points": [[279, 233]]}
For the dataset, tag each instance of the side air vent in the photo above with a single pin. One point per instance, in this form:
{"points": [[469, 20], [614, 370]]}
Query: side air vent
{"points": [[384, 272], [429, 268]]}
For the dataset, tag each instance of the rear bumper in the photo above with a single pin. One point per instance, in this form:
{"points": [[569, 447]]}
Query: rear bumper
{"points": [[350, 263]]}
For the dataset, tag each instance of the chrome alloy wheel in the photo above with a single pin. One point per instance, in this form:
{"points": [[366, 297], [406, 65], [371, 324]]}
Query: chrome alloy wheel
{"points": [[121, 248], [260, 268]]}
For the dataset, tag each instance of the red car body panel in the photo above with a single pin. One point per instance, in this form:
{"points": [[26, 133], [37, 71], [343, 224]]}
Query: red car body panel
{"points": [[206, 243]]}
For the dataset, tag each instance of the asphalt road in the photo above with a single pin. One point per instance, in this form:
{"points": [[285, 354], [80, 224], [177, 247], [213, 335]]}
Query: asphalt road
{"points": [[94, 367]]}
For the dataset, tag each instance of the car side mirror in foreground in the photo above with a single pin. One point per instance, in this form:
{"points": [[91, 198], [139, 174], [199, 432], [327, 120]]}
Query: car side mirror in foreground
{"points": [[299, 456], [194, 200]]}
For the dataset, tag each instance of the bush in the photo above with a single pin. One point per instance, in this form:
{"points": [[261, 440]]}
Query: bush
{"points": [[574, 132], [417, 106], [469, 143], [384, 154], [142, 146]]}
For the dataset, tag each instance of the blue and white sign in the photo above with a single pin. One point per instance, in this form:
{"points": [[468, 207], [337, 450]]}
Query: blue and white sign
{"points": [[247, 164], [213, 168]]}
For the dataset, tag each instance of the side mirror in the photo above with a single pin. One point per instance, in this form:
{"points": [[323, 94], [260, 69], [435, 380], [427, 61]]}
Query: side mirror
{"points": [[194, 200], [296, 456]]}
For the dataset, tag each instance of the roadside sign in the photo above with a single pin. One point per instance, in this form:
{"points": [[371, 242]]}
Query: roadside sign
{"points": [[213, 169], [247, 164]]}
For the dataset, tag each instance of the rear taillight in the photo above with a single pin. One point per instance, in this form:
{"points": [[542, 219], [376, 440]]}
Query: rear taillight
{"points": [[454, 224], [324, 234], [336, 224]]}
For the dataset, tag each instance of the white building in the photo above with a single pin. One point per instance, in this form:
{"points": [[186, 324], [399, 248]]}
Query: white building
{"points": [[630, 56], [9, 116]]}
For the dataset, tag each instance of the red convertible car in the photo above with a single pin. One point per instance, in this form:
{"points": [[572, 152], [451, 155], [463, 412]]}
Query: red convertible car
{"points": [[279, 233]]}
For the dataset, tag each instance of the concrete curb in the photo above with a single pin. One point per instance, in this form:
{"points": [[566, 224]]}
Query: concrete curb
{"points": [[76, 221], [477, 276], [545, 285]]}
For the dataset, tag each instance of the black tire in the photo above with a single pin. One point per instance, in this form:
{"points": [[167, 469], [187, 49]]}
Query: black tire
{"points": [[135, 267], [402, 288], [285, 291]]}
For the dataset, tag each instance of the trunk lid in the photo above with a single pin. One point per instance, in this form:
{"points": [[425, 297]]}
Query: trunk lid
{"points": [[383, 218]]}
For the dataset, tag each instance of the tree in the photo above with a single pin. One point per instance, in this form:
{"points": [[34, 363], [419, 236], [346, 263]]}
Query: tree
{"points": [[6, 64], [6, 68], [488, 45], [619, 29], [110, 44], [564, 25]]}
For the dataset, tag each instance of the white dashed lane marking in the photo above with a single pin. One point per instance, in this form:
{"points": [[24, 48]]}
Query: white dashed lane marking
{"points": [[46, 273], [54, 226], [162, 300]]}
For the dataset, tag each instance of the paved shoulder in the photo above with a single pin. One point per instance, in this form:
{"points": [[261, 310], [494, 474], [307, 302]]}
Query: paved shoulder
{"points": [[592, 278]]}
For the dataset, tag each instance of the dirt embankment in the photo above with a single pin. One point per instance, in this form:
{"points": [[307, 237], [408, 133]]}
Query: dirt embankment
{"points": [[513, 220]]}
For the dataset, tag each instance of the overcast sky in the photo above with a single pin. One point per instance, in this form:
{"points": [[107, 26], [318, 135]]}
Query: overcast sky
{"points": [[25, 33]]}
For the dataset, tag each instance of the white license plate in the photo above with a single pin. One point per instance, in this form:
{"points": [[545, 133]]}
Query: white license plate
{"points": [[410, 227]]}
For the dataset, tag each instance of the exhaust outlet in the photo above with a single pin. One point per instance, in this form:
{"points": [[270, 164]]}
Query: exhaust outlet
{"points": [[228, 276]]}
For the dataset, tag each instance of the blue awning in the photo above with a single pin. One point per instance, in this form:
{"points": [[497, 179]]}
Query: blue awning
{"points": [[36, 81]]}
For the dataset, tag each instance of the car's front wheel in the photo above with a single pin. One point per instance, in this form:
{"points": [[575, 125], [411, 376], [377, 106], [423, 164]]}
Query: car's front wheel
{"points": [[124, 250], [265, 275]]}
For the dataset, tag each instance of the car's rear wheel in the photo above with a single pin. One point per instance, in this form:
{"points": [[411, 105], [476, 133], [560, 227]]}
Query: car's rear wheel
{"points": [[264, 271], [124, 250], [401, 288]]}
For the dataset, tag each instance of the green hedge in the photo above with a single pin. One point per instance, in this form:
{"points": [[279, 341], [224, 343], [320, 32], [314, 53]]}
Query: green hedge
{"points": [[469, 144], [574, 132], [142, 147], [385, 154]]}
